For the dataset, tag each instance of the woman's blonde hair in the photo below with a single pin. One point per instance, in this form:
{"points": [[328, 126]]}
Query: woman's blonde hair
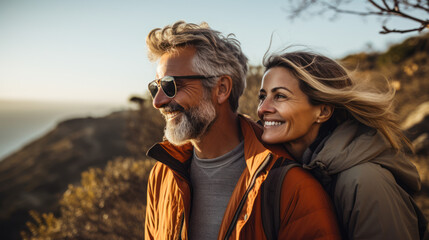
{"points": [[325, 81], [216, 55]]}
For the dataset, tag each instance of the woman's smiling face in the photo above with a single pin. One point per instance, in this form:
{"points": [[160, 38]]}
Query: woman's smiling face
{"points": [[285, 110]]}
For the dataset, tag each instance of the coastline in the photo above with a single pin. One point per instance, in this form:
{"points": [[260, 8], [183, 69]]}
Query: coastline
{"points": [[23, 121]]}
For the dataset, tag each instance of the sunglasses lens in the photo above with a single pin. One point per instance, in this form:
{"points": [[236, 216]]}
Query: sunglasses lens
{"points": [[153, 88], [168, 86]]}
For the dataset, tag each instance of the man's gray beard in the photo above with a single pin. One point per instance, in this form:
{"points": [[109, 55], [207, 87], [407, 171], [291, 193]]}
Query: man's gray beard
{"points": [[193, 123]]}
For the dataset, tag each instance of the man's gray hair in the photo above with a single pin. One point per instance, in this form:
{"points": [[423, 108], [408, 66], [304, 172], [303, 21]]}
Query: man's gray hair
{"points": [[216, 55]]}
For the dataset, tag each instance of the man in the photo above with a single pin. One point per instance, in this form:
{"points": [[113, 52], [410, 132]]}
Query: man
{"points": [[206, 184]]}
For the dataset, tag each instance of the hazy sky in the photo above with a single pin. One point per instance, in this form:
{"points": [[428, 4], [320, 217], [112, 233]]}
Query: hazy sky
{"points": [[94, 51]]}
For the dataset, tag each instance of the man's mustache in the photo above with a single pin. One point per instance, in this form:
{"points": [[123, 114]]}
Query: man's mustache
{"points": [[172, 107]]}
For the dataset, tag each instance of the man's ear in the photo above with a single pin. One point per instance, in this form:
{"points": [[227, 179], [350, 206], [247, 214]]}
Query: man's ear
{"points": [[223, 89], [325, 113]]}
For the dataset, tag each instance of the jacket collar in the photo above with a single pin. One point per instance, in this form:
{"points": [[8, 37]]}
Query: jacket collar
{"points": [[178, 157], [353, 143]]}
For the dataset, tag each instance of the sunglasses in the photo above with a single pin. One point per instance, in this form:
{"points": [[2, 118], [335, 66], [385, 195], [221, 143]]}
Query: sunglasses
{"points": [[168, 84]]}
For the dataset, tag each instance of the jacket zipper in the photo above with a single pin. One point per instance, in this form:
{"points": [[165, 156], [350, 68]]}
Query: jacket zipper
{"points": [[243, 199]]}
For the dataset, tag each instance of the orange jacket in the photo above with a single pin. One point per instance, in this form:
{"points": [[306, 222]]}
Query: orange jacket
{"points": [[306, 210]]}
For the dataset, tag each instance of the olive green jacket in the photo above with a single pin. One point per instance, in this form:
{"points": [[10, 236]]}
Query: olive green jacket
{"points": [[369, 183]]}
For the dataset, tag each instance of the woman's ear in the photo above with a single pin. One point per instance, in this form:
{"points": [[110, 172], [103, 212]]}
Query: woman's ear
{"points": [[223, 89], [325, 113]]}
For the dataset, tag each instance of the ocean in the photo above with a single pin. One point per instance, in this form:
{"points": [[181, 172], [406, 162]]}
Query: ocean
{"points": [[24, 121]]}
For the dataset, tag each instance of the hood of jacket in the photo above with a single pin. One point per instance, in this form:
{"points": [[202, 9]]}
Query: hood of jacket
{"points": [[352, 143]]}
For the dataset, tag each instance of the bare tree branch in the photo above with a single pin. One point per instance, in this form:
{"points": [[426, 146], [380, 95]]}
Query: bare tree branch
{"points": [[382, 9], [338, 10], [387, 30], [396, 7], [376, 5], [385, 5], [417, 6]]}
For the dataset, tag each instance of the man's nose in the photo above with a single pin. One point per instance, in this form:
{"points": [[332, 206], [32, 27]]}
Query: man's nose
{"points": [[160, 99]]}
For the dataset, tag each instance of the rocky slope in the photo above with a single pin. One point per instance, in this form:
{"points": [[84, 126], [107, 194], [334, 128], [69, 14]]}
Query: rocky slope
{"points": [[36, 176]]}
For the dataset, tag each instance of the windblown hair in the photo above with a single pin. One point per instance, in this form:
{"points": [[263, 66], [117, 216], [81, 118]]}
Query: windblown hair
{"points": [[216, 55], [325, 81]]}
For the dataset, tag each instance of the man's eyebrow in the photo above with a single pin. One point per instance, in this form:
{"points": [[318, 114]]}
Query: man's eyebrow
{"points": [[284, 88]]}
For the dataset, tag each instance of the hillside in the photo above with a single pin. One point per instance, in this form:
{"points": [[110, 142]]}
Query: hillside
{"points": [[35, 177], [405, 65]]}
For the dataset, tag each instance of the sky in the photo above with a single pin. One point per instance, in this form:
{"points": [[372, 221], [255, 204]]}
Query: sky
{"points": [[94, 51]]}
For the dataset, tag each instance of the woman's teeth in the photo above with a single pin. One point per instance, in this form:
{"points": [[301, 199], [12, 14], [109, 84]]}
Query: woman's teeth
{"points": [[272, 123]]}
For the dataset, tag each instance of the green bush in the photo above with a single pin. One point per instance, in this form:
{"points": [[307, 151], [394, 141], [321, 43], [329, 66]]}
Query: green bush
{"points": [[109, 204]]}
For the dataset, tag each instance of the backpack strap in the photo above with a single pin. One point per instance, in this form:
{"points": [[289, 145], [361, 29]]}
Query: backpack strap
{"points": [[271, 190]]}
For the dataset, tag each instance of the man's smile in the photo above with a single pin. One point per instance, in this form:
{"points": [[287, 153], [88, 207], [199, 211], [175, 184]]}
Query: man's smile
{"points": [[171, 115]]}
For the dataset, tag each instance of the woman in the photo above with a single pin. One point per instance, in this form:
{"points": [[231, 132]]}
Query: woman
{"points": [[345, 133]]}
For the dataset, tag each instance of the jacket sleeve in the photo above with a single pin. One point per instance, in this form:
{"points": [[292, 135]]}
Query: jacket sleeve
{"points": [[150, 219], [306, 209], [372, 206]]}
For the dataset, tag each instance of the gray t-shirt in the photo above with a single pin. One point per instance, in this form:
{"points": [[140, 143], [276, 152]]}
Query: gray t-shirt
{"points": [[213, 181]]}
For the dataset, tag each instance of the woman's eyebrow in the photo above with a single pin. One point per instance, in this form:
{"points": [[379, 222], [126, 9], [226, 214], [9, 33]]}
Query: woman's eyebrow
{"points": [[284, 88]]}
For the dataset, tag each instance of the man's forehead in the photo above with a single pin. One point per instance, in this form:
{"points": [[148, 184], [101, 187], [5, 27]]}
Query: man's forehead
{"points": [[160, 70], [178, 62]]}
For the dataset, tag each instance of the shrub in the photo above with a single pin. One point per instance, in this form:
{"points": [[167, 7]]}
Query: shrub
{"points": [[109, 204]]}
